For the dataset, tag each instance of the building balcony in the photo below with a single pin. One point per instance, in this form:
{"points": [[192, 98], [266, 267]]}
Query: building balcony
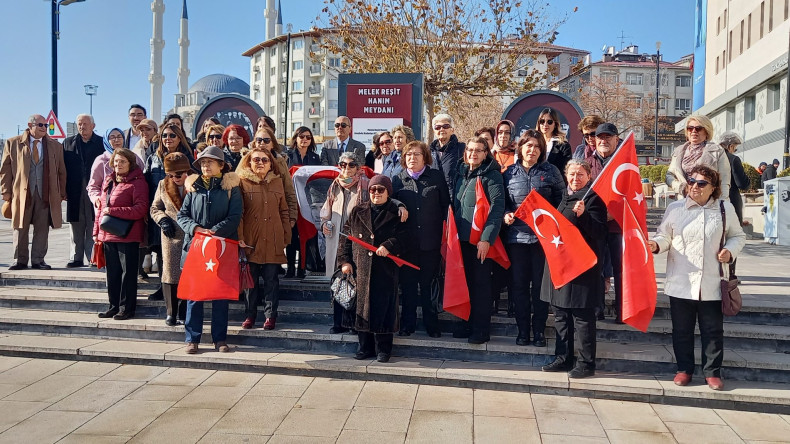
{"points": [[315, 70], [316, 48], [314, 91], [314, 112]]}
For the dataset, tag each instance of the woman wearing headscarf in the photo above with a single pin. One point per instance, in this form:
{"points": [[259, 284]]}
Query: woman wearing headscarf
{"points": [[102, 168], [504, 150], [302, 152], [169, 197], [557, 147], [236, 140], [213, 206], [698, 150], [376, 310], [264, 230], [739, 181]]}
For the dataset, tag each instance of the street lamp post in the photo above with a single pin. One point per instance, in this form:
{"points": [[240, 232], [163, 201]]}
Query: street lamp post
{"points": [[56, 4], [91, 91], [658, 90]]}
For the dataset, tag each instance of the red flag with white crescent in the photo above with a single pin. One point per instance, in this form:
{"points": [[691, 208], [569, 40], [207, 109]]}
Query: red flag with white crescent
{"points": [[497, 251], [456, 292], [620, 183], [639, 276], [211, 270], [567, 253]]}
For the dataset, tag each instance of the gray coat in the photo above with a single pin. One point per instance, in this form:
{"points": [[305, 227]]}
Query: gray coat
{"points": [[167, 201], [330, 155]]}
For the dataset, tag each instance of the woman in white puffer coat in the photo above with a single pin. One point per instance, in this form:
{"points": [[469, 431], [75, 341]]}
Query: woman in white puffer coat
{"points": [[691, 233]]}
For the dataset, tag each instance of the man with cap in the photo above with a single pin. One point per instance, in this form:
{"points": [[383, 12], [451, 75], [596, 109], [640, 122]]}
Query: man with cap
{"points": [[769, 172], [79, 152], [33, 179]]}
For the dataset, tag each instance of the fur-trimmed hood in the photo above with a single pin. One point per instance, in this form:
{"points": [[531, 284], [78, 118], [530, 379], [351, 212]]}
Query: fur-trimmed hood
{"points": [[247, 174], [229, 181]]}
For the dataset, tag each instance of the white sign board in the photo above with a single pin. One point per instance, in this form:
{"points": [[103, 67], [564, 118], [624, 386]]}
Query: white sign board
{"points": [[365, 129]]}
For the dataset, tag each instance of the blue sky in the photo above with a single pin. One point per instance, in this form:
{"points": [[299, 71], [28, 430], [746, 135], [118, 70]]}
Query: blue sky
{"points": [[106, 43]]}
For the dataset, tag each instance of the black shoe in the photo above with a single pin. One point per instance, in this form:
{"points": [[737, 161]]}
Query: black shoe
{"points": [[558, 365], [280, 271], [462, 333], [17, 266], [122, 316], [171, 321], [404, 333], [540, 340], [41, 266], [522, 340], [364, 355], [75, 264], [435, 334], [337, 330], [581, 372], [142, 274], [383, 357], [478, 340], [300, 273], [157, 296], [108, 313], [289, 274]]}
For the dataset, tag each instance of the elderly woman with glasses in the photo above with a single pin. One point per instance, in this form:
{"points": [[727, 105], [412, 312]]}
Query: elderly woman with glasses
{"points": [[446, 150], [698, 241], [265, 140], [698, 150], [236, 139], [557, 147]]}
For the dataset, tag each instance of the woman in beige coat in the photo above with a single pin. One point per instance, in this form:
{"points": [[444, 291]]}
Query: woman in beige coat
{"points": [[698, 150], [164, 211]]}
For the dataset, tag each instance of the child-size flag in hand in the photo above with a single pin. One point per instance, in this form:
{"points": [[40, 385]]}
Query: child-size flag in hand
{"points": [[567, 253], [456, 293], [639, 276], [211, 270], [497, 251]]}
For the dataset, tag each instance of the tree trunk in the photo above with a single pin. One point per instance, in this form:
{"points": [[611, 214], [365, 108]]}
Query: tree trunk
{"points": [[429, 104]]}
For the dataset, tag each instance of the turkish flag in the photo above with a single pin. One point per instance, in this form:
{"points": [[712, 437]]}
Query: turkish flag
{"points": [[620, 183], [497, 251], [567, 253], [456, 292], [211, 270], [639, 276]]}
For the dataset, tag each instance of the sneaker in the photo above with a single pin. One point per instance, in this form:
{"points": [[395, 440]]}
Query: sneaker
{"points": [[581, 372], [558, 365], [248, 323], [222, 347], [682, 379], [192, 348]]}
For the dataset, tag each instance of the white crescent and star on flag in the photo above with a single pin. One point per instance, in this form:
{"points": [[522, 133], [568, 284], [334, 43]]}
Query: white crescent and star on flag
{"points": [[557, 241], [211, 264], [638, 197]]}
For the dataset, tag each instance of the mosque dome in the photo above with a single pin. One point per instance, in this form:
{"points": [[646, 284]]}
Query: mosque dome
{"points": [[221, 84]]}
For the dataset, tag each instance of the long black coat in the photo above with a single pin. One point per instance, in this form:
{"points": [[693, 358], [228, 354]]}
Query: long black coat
{"points": [[426, 198], [377, 277], [585, 291], [78, 158]]}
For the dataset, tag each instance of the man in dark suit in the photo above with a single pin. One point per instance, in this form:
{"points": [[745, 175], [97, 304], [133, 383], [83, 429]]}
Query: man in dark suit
{"points": [[79, 152], [330, 153]]}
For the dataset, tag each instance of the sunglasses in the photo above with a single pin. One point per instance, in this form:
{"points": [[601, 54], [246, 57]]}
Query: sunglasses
{"points": [[442, 126], [385, 142], [341, 125], [259, 159], [700, 183], [169, 135], [376, 189], [546, 121], [176, 175], [305, 136], [214, 136], [40, 125], [263, 139], [589, 135], [692, 128], [347, 164]]}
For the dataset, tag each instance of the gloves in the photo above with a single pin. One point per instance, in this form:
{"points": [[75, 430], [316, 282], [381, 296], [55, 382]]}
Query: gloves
{"points": [[168, 227]]}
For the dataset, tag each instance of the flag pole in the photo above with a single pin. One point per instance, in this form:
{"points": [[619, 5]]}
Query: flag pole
{"points": [[607, 165]]}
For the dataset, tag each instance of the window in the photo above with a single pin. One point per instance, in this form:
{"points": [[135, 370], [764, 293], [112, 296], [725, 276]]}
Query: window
{"points": [[635, 102], [729, 47], [771, 16], [257, 76], [718, 25], [333, 104], [574, 60], [333, 83], [298, 85], [274, 51], [762, 18], [682, 104], [298, 64], [334, 62], [609, 77], [683, 81], [773, 98], [298, 44], [740, 51], [295, 126], [297, 106], [717, 64], [730, 121], [633, 78], [749, 32], [272, 91], [271, 110], [749, 109], [257, 95], [662, 103]]}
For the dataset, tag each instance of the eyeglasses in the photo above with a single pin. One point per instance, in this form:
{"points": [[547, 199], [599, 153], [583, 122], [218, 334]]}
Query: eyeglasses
{"points": [[385, 142], [341, 125], [214, 136], [546, 121], [442, 126], [259, 159], [305, 136], [115, 137], [235, 139], [169, 135], [692, 128], [701, 183], [40, 125], [136, 115], [413, 154], [469, 151], [589, 135], [347, 164], [176, 175], [263, 139], [376, 189]]}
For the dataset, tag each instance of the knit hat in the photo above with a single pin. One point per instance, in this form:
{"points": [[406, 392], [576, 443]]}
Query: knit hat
{"points": [[775, 162], [382, 180], [176, 162]]}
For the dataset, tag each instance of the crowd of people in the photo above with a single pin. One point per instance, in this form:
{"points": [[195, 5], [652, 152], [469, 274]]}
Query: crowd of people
{"points": [[150, 190]]}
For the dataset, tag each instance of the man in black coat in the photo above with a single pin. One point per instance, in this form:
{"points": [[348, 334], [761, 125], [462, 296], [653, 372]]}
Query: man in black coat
{"points": [[446, 150], [79, 152]]}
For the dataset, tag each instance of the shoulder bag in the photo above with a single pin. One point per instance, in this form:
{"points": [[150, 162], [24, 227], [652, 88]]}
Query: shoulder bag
{"points": [[344, 289], [115, 225], [731, 300]]}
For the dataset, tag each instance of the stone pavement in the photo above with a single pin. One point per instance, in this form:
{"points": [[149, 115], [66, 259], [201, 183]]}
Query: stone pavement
{"points": [[47, 401]]}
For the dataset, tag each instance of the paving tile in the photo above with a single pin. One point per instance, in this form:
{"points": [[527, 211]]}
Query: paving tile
{"points": [[313, 422], [45, 344], [134, 373], [376, 419], [402, 366], [255, 415], [504, 404], [96, 396], [432, 427], [131, 349], [565, 423], [318, 362], [501, 373], [53, 388], [694, 415], [233, 379], [497, 429], [209, 397], [32, 371], [45, 426], [93, 439], [125, 418], [686, 433], [278, 391], [225, 438], [756, 426], [338, 394], [155, 392], [555, 403], [619, 383], [185, 425], [275, 379], [387, 395], [564, 439], [87, 368], [362, 436], [288, 439], [625, 415], [7, 389], [15, 412], [182, 376], [642, 437], [9, 362], [444, 399]]}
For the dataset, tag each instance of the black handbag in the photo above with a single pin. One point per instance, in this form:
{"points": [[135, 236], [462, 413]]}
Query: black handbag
{"points": [[731, 301], [115, 225]]}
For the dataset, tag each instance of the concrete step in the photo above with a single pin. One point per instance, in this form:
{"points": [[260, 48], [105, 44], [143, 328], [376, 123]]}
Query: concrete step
{"points": [[612, 356], [645, 387]]}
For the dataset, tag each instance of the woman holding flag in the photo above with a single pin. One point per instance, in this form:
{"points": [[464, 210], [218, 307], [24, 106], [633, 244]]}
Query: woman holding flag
{"points": [[478, 166]]}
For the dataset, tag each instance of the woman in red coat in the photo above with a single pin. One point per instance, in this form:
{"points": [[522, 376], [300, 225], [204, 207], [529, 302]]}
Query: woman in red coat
{"points": [[124, 196]]}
